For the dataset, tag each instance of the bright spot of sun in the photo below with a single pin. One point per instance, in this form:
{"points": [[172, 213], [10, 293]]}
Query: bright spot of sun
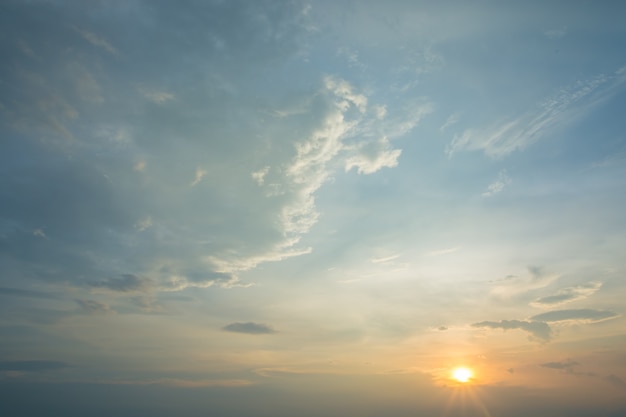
{"points": [[462, 374]]}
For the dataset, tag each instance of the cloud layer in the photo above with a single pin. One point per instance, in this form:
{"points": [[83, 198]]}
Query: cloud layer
{"points": [[249, 328]]}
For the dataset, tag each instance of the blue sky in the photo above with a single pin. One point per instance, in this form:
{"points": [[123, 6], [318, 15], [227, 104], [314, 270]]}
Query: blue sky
{"points": [[222, 204]]}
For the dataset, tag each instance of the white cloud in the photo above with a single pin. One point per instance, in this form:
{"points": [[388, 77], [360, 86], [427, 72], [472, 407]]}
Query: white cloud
{"points": [[441, 252], [200, 173], [520, 132], [373, 156], [385, 259], [158, 97], [450, 121], [259, 176], [344, 136], [140, 166], [556, 33], [498, 185], [96, 40], [585, 315], [512, 285], [144, 224]]}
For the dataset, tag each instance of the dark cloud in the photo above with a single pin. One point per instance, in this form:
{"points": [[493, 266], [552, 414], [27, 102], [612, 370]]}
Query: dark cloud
{"points": [[615, 380], [125, 283], [18, 292], [585, 314], [93, 307], [32, 366], [567, 295], [555, 299], [249, 327], [538, 329], [566, 365]]}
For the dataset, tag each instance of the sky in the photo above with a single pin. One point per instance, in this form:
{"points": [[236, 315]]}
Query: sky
{"points": [[278, 208]]}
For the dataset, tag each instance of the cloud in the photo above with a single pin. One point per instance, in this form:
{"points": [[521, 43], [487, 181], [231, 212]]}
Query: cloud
{"points": [[96, 40], [615, 380], [343, 135], [450, 121], [567, 295], [144, 224], [32, 365], [249, 328], [93, 307], [18, 292], [513, 285], [538, 329], [205, 279], [565, 365], [185, 383], [373, 156], [200, 173], [125, 283], [498, 185], [259, 176], [581, 315], [140, 166], [158, 97], [518, 133], [569, 366], [556, 33], [385, 259], [441, 252]]}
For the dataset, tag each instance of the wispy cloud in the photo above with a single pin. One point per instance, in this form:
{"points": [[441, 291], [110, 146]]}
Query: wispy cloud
{"points": [[96, 40], [538, 329], [498, 185], [180, 382], [93, 307], [200, 173], [565, 365], [350, 133], [556, 33], [158, 97], [518, 133], [249, 328], [584, 315], [385, 259], [450, 121], [441, 252], [144, 224], [32, 365], [259, 176], [125, 283], [512, 285], [373, 156], [567, 295]]}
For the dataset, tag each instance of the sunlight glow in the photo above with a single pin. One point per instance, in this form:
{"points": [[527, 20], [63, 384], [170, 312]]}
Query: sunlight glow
{"points": [[462, 374]]}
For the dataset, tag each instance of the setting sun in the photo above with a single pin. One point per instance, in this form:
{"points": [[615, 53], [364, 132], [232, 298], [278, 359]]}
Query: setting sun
{"points": [[462, 374]]}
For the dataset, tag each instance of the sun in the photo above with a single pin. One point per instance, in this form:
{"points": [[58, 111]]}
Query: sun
{"points": [[462, 375]]}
